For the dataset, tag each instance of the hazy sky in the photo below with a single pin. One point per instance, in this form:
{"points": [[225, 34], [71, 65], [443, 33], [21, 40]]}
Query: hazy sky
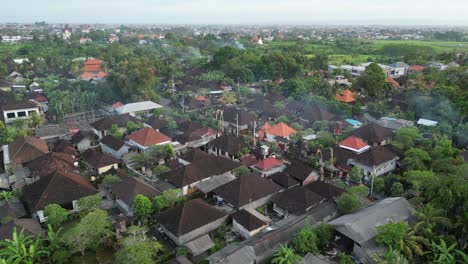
{"points": [[405, 12]]}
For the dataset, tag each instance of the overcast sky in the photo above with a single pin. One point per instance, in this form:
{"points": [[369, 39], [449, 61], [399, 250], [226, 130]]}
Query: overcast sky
{"points": [[403, 12]]}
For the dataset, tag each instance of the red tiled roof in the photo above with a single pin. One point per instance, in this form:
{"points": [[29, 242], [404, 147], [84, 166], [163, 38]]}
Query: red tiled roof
{"points": [[268, 163], [200, 98], [92, 68], [93, 62], [353, 143], [40, 99], [281, 130], [416, 68], [86, 75], [148, 137], [393, 82], [346, 96], [117, 105], [101, 74]]}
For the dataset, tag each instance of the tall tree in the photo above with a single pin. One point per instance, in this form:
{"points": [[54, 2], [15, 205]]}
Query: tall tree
{"points": [[373, 81]]}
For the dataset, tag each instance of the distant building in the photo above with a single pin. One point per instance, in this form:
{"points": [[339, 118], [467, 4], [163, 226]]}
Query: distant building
{"points": [[67, 33]]}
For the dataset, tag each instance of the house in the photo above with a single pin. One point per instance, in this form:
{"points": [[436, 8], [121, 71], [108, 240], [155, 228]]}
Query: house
{"points": [[354, 144], [180, 260], [326, 190], [62, 188], [376, 161], [147, 137], [316, 114], [5, 85], [391, 81], [297, 200], [11, 209], [415, 68], [398, 69], [195, 135], [284, 180], [138, 108], [190, 220], [302, 172], [236, 120], [99, 162], [188, 176], [23, 150], [394, 123], [101, 127], [247, 224], [50, 163], [426, 122], [157, 123], [92, 70], [12, 110], [373, 134], [227, 146], [268, 166], [114, 146], [247, 191], [29, 227], [357, 231], [280, 130], [83, 140], [126, 190], [345, 96], [192, 155]]}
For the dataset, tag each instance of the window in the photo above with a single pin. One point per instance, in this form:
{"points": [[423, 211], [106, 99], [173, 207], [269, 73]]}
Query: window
{"points": [[31, 112], [11, 115], [21, 114]]}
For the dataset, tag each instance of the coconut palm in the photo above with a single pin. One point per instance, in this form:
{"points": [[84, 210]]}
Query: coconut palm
{"points": [[285, 255], [412, 244], [443, 253], [229, 97], [429, 218]]}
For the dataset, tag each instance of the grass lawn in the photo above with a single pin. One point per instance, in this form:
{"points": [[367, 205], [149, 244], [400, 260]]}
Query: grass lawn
{"points": [[438, 46]]}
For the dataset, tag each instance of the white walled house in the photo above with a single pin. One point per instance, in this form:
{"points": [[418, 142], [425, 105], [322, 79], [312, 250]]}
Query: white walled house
{"points": [[247, 224], [147, 137], [113, 146], [17, 110], [376, 161]]}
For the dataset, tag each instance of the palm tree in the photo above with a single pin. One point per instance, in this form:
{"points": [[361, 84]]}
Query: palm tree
{"points": [[285, 255], [411, 244], [229, 97], [429, 218], [52, 239], [22, 249]]}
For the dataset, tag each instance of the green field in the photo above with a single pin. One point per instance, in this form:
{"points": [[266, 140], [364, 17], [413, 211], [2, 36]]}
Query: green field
{"points": [[438, 46]]}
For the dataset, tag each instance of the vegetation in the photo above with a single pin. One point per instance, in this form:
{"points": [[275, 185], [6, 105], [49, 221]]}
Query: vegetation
{"points": [[55, 214], [285, 255], [347, 203]]}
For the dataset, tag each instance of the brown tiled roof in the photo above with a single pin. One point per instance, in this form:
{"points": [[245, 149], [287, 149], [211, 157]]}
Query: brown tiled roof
{"points": [[64, 146], [299, 170], [12, 104], [316, 114], [82, 134], [246, 189], [157, 123], [60, 188], [375, 156], [231, 114], [248, 220], [324, 189], [193, 154], [189, 216], [129, 187], [199, 170], [119, 120], [228, 143], [29, 226], [112, 142], [50, 163], [284, 179], [372, 133], [26, 148], [298, 200], [148, 137], [12, 208], [98, 159]]}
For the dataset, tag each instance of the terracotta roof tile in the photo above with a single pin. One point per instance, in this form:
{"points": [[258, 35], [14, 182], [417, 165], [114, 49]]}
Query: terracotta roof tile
{"points": [[148, 137]]}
